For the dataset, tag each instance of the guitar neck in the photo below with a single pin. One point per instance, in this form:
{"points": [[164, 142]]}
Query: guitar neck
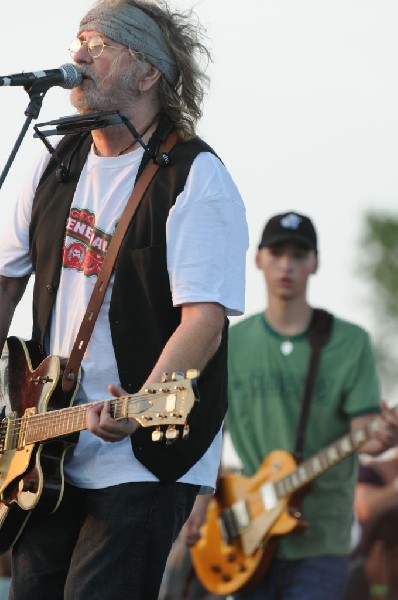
{"points": [[163, 405], [312, 467], [44, 426], [166, 406]]}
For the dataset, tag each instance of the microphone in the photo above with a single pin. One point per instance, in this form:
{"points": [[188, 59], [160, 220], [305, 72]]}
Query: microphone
{"points": [[67, 76]]}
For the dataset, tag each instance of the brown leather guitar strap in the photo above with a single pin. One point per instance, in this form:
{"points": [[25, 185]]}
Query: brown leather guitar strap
{"points": [[71, 371], [319, 333]]}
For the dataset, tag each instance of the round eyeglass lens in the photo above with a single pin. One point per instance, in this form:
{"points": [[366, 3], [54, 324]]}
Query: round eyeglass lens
{"points": [[95, 46], [74, 46]]}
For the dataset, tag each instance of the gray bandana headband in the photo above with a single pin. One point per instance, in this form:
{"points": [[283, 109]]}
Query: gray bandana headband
{"points": [[133, 28]]}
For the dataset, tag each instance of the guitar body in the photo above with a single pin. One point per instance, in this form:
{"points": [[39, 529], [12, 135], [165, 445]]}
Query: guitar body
{"points": [[227, 563], [31, 476], [248, 514]]}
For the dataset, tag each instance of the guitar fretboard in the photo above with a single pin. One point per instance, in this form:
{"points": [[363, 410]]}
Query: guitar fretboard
{"points": [[32, 428], [311, 468]]}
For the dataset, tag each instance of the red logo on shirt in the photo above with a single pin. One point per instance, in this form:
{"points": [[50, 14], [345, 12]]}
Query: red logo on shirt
{"points": [[74, 256], [85, 245]]}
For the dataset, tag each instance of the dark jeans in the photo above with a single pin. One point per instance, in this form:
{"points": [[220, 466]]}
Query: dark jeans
{"points": [[107, 544], [320, 578]]}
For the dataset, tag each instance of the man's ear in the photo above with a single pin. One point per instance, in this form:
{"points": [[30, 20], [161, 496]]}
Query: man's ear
{"points": [[316, 265], [259, 259], [149, 79]]}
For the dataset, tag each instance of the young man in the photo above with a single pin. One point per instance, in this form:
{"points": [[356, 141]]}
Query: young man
{"points": [[268, 361], [164, 311]]}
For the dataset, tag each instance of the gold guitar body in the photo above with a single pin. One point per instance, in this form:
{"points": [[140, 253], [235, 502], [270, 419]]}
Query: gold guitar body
{"points": [[248, 514], [226, 563]]}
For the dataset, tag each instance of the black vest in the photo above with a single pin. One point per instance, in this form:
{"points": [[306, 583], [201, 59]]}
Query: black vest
{"points": [[142, 317]]}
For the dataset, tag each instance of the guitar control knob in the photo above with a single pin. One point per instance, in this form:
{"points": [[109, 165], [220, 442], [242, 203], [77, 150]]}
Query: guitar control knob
{"points": [[216, 568]]}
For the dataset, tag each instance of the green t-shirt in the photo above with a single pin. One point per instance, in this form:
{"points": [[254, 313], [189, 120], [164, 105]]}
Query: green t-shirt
{"points": [[265, 391]]}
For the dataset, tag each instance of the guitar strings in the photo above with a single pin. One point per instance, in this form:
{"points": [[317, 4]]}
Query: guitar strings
{"points": [[59, 415]]}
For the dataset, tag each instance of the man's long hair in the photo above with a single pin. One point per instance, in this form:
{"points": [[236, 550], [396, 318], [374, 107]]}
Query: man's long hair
{"points": [[184, 36]]}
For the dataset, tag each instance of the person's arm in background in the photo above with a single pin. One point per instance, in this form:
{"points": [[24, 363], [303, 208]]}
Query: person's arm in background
{"points": [[190, 532], [377, 488]]}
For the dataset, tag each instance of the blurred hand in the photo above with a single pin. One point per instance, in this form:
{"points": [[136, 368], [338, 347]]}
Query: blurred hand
{"points": [[190, 532], [387, 430]]}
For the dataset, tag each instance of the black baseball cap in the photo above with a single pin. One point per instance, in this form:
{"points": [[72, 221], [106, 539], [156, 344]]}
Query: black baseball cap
{"points": [[289, 227]]}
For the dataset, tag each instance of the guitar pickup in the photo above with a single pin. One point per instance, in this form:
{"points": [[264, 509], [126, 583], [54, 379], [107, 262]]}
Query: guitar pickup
{"points": [[241, 514], [268, 495], [10, 436]]}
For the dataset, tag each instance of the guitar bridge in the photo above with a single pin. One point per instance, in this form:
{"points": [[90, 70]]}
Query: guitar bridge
{"points": [[234, 520], [241, 514]]}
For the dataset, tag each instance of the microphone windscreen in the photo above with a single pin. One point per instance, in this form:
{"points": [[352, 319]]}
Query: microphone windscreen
{"points": [[72, 76]]}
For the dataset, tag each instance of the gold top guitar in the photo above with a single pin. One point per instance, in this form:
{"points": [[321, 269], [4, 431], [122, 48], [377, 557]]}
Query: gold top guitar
{"points": [[36, 433], [247, 514]]}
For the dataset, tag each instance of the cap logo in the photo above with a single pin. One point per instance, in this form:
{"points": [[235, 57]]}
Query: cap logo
{"points": [[291, 221]]}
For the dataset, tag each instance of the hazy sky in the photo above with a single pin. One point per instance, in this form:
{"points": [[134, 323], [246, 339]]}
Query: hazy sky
{"points": [[302, 109]]}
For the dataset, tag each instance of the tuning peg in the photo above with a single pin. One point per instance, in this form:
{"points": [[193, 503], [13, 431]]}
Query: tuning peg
{"points": [[157, 435], [192, 374], [164, 378], [177, 375], [185, 432], [171, 434]]}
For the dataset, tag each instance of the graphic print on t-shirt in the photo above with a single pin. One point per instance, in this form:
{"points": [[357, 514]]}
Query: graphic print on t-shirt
{"points": [[85, 244]]}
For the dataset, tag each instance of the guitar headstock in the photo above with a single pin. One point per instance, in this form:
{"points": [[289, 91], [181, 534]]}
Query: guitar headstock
{"points": [[167, 404]]}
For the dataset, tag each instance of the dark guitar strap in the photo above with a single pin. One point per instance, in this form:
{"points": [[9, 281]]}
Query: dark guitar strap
{"points": [[71, 371], [319, 333]]}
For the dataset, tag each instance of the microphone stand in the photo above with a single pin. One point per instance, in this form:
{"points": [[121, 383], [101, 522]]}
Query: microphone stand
{"points": [[36, 94]]}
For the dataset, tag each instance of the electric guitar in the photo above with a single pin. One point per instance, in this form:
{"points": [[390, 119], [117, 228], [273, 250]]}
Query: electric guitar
{"points": [[41, 425], [247, 514]]}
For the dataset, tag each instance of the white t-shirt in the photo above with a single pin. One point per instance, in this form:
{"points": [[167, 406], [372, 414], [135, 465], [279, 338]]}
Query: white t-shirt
{"points": [[206, 244]]}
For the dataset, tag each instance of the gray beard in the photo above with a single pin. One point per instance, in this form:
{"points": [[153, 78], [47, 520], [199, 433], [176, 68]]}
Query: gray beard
{"points": [[112, 93]]}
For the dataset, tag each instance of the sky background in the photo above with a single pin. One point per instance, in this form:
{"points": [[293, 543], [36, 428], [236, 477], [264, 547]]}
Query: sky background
{"points": [[302, 109]]}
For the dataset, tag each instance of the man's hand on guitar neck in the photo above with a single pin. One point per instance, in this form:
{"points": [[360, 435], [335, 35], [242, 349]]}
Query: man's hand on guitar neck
{"points": [[386, 434], [100, 422], [190, 532]]}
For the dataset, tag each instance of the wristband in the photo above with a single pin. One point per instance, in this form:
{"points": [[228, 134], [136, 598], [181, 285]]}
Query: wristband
{"points": [[380, 590]]}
